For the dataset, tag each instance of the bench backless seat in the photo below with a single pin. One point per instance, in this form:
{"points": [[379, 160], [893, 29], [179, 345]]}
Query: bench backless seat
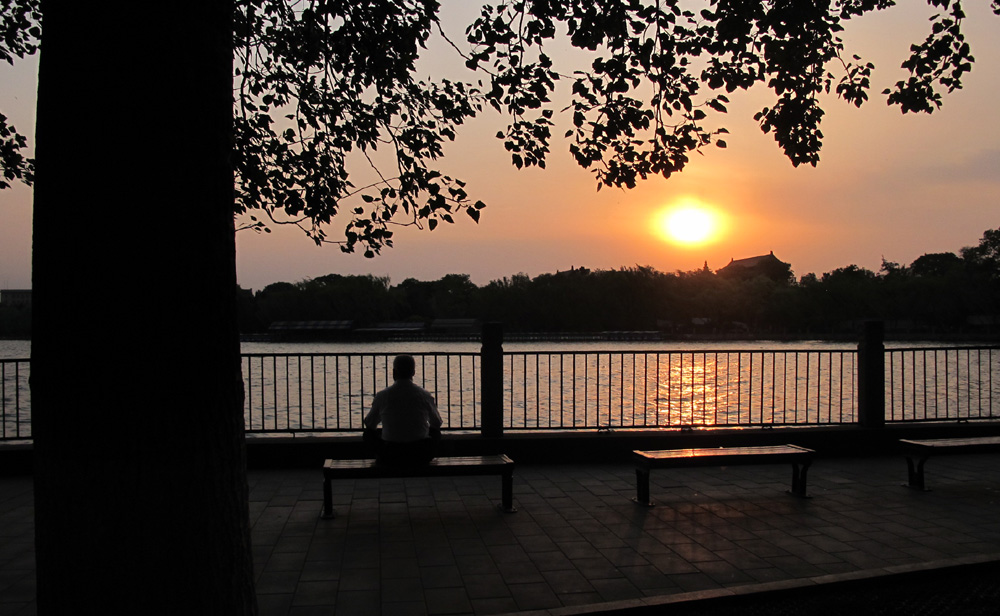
{"points": [[463, 465], [917, 452], [645, 461]]}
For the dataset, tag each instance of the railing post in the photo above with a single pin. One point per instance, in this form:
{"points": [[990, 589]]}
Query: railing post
{"points": [[871, 376], [491, 373]]}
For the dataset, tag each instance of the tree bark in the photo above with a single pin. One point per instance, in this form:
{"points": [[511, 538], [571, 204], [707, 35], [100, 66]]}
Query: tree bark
{"points": [[141, 501]]}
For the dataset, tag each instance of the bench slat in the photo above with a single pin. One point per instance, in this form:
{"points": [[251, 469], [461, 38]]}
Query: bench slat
{"points": [[721, 452], [917, 452], [443, 463], [458, 465], [645, 461], [952, 443]]}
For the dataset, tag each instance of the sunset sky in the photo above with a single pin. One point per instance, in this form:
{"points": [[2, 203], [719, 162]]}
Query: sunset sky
{"points": [[888, 186]]}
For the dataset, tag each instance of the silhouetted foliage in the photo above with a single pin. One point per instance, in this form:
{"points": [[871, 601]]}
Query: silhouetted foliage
{"points": [[320, 82], [19, 37]]}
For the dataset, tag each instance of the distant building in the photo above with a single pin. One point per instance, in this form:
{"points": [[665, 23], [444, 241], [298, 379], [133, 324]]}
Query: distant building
{"points": [[309, 330], [768, 266], [17, 298], [455, 326]]}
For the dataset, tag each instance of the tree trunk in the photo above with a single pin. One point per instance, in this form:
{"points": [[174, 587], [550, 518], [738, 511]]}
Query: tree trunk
{"points": [[141, 501]]}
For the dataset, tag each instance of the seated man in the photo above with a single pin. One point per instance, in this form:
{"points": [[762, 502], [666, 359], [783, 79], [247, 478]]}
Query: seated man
{"points": [[409, 417]]}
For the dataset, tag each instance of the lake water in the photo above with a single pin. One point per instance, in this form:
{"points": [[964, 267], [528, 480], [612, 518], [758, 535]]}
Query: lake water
{"points": [[595, 384]]}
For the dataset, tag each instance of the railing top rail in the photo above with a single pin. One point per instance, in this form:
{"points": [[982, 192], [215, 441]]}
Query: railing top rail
{"points": [[982, 347], [368, 354], [10, 360], [678, 351]]}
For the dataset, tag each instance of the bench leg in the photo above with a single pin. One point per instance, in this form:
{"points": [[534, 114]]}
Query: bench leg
{"points": [[507, 492], [799, 479], [642, 487], [915, 472], [327, 513]]}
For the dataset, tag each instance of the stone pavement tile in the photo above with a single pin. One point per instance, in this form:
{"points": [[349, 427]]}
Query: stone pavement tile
{"points": [[552, 561], [599, 568], [520, 573], [689, 582], [310, 610], [533, 596], [400, 608], [447, 601], [509, 554], [441, 576], [814, 556], [578, 549], [725, 573], [767, 574], [671, 564], [358, 603], [567, 581], [496, 605], [648, 578], [360, 579], [277, 582], [838, 568], [476, 563], [293, 543], [407, 590], [274, 604], [485, 586], [437, 556], [761, 548], [693, 552], [537, 543], [319, 570], [472, 546], [625, 557], [797, 567], [826, 543], [285, 561], [742, 559], [617, 589], [393, 568], [316, 594]]}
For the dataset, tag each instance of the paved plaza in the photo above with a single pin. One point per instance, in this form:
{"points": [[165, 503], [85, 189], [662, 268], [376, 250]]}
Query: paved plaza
{"points": [[577, 542]]}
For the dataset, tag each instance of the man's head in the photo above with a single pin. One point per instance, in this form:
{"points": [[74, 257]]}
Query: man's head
{"points": [[403, 367]]}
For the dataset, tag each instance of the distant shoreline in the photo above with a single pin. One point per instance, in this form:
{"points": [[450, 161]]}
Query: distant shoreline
{"points": [[968, 337]]}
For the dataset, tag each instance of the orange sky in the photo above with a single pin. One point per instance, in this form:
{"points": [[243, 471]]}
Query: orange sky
{"points": [[887, 186]]}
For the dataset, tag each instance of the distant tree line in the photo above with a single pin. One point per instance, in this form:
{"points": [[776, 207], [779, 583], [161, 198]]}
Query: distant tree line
{"points": [[937, 293]]}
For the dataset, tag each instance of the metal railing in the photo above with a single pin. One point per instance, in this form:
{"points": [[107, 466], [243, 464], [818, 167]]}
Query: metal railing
{"points": [[641, 389], [15, 399], [331, 392], [597, 390], [934, 384]]}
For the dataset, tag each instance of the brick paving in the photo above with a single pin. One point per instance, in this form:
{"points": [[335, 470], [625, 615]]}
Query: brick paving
{"points": [[578, 543]]}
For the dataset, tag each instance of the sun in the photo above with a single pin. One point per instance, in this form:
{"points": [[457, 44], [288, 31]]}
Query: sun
{"points": [[688, 223]]}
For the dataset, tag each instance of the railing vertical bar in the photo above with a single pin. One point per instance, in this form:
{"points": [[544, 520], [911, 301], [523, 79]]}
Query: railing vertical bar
{"points": [[3, 401], [968, 381], [715, 386], [774, 387], [621, 389]]}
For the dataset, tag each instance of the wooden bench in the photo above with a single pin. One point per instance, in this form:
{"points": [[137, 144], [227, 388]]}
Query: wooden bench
{"points": [[917, 452], [471, 465], [645, 461]]}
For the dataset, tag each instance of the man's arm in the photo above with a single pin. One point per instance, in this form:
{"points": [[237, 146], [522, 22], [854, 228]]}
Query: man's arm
{"points": [[433, 416], [374, 415]]}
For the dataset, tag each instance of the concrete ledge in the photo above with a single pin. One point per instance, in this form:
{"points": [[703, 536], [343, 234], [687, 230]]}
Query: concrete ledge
{"points": [[309, 450], [753, 598], [574, 447]]}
